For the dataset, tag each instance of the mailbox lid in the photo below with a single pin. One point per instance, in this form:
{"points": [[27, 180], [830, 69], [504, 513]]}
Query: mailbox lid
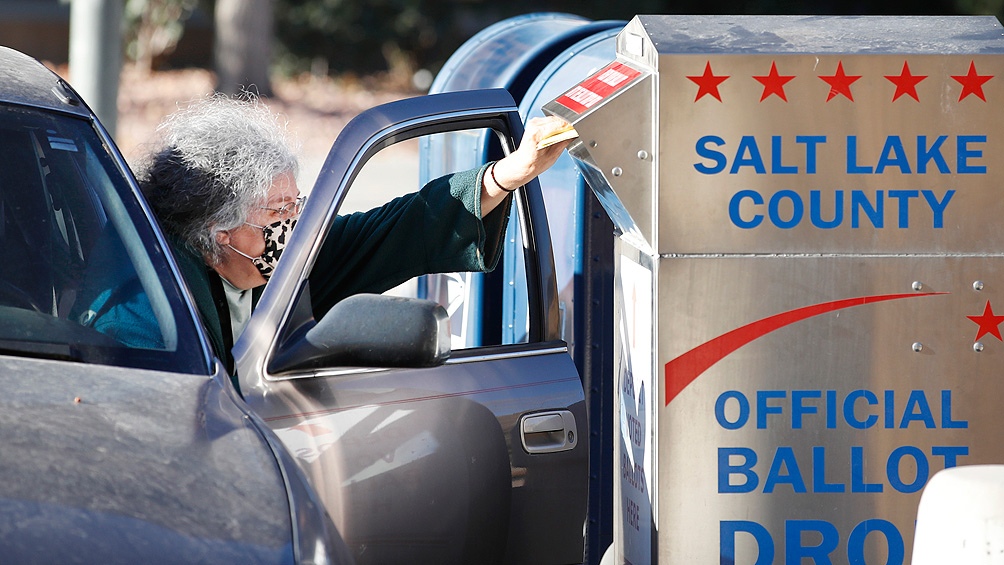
{"points": [[695, 34]]}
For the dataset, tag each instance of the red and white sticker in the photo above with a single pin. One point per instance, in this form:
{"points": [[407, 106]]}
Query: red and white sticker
{"points": [[594, 89]]}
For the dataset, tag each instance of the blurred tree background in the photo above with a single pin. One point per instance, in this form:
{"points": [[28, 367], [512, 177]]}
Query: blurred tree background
{"points": [[396, 38]]}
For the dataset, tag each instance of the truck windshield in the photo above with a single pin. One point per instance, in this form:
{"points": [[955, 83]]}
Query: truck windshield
{"points": [[84, 278]]}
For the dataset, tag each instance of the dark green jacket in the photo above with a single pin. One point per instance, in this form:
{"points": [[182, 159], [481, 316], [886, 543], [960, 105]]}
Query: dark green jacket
{"points": [[435, 230]]}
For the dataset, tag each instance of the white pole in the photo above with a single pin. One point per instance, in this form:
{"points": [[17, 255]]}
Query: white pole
{"points": [[96, 55]]}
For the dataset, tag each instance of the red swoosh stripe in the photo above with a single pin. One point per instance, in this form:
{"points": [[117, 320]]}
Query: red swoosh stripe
{"points": [[683, 370]]}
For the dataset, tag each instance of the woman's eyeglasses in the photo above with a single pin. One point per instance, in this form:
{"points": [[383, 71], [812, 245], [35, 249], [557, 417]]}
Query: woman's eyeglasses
{"points": [[290, 209]]}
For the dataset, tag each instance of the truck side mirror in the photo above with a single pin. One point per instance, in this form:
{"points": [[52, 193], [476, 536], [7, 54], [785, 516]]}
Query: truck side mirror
{"points": [[371, 330]]}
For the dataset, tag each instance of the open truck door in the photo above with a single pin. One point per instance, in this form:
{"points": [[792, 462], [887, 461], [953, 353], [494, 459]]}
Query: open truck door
{"points": [[424, 449]]}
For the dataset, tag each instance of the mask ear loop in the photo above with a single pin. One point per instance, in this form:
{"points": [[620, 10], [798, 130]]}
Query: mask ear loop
{"points": [[224, 236], [239, 252]]}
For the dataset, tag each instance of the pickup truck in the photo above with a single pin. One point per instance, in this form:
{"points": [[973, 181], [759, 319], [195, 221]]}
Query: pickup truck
{"points": [[364, 436]]}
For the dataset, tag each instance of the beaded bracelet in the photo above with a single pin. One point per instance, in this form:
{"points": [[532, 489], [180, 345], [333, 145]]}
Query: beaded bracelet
{"points": [[497, 183]]}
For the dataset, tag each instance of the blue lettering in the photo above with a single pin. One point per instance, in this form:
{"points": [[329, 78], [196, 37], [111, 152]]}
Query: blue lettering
{"points": [[798, 409], [776, 167], [727, 530], [726, 469], [925, 154], [938, 208], [893, 464], [950, 453], [831, 409], [798, 533], [860, 409], [816, 214], [904, 197], [929, 156], [810, 141], [849, 415], [858, 483], [762, 410], [875, 213], [786, 208], [894, 542], [946, 413], [797, 209], [794, 551], [964, 154], [917, 410], [716, 157], [734, 209], [748, 155], [738, 474], [893, 155], [852, 158], [744, 409], [819, 483], [784, 457], [890, 409]]}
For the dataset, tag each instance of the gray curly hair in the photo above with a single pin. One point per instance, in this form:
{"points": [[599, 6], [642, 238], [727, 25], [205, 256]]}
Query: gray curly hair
{"points": [[218, 158]]}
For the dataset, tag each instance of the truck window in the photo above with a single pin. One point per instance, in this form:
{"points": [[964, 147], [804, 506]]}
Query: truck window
{"points": [[485, 308], [82, 278]]}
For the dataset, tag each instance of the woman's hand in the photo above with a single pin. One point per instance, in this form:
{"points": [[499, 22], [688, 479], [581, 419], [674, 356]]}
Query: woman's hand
{"points": [[524, 164]]}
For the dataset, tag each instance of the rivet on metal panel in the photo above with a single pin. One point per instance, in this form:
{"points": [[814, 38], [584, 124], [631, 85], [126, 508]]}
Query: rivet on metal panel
{"points": [[917, 285], [617, 171], [592, 143], [978, 285], [977, 347], [918, 347], [642, 154]]}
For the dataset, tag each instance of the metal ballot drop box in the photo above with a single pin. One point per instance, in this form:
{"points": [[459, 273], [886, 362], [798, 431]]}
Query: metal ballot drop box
{"points": [[808, 272]]}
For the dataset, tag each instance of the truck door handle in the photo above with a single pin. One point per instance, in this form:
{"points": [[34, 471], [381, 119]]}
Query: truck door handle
{"points": [[548, 432]]}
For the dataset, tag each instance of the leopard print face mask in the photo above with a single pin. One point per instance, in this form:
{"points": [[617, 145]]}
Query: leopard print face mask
{"points": [[276, 235]]}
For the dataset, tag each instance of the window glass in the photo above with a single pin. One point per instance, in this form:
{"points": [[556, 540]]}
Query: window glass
{"points": [[485, 309], [79, 281]]}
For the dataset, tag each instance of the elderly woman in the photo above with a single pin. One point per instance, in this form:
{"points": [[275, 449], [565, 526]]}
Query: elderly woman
{"points": [[223, 187]]}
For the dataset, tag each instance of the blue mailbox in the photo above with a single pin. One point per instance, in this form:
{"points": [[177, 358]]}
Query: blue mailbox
{"points": [[536, 57]]}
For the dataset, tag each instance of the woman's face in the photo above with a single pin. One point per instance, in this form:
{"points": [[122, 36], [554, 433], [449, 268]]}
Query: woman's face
{"points": [[280, 204], [283, 193]]}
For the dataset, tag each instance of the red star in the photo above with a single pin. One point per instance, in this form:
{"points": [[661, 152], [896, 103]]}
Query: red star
{"points": [[988, 323], [708, 83], [972, 83], [906, 83], [773, 83], [840, 83]]}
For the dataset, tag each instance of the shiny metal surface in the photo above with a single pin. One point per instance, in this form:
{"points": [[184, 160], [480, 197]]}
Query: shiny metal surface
{"points": [[24, 80], [467, 358], [818, 278], [942, 394]]}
